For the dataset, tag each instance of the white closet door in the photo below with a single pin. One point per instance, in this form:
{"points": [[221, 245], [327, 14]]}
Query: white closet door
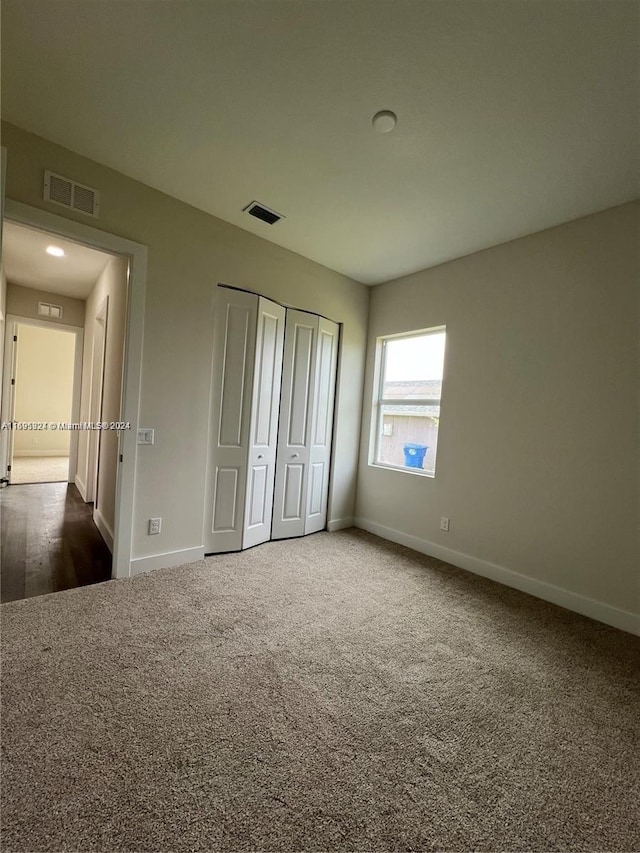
{"points": [[324, 389], [264, 422], [231, 392], [292, 467]]}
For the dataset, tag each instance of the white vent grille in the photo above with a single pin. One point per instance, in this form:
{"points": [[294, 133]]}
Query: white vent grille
{"points": [[71, 194], [46, 309], [60, 190]]}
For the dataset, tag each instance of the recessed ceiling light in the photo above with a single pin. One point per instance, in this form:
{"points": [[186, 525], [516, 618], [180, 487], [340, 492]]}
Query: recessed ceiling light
{"points": [[384, 121], [56, 251]]}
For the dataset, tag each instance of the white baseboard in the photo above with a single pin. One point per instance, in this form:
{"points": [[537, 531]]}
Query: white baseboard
{"points": [[81, 487], [41, 454], [166, 561], [340, 523], [622, 619], [104, 528]]}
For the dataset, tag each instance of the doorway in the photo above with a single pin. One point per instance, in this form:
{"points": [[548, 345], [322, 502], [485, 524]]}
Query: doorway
{"points": [[44, 364], [120, 447], [56, 517]]}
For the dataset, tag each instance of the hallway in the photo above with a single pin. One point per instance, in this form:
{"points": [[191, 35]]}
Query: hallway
{"points": [[39, 469], [49, 541]]}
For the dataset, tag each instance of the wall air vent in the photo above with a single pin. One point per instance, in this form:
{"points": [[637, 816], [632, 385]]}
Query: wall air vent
{"points": [[261, 212], [46, 309], [71, 194]]}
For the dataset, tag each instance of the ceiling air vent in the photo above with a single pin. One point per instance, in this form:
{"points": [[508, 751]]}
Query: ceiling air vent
{"points": [[71, 194], [261, 212]]}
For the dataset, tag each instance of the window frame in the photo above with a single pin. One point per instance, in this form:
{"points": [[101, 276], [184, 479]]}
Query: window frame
{"points": [[379, 401]]}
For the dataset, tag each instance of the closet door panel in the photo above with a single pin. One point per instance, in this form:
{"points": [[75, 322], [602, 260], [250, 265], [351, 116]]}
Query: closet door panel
{"points": [[225, 499], [318, 474], [237, 346], [265, 410], [292, 466], [300, 385], [324, 388], [258, 498], [293, 493], [234, 333]]}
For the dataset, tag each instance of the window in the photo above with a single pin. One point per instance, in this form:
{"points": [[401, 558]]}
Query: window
{"points": [[406, 411]]}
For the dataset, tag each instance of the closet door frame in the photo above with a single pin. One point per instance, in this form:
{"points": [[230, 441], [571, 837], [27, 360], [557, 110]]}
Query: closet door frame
{"points": [[234, 449]]}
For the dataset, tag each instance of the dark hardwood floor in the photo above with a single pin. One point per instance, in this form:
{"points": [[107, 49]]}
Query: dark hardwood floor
{"points": [[49, 541]]}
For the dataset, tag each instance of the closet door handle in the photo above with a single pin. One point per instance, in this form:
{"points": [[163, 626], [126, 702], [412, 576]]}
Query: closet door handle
{"points": [[260, 456], [295, 455]]}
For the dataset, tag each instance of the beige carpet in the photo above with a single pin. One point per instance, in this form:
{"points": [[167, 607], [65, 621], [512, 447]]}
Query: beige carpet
{"points": [[329, 693], [39, 469]]}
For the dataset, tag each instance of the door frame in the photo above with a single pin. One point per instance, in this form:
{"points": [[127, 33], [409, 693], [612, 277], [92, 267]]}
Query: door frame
{"points": [[8, 390], [95, 403], [136, 253]]}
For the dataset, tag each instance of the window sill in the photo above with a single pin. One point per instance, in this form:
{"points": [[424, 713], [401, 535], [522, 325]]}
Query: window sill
{"points": [[420, 472]]}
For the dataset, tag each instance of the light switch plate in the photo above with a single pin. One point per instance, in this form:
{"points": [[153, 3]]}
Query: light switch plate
{"points": [[146, 436]]}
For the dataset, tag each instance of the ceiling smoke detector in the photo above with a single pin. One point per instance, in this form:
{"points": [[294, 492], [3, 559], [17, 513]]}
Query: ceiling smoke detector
{"points": [[384, 121], [263, 213]]}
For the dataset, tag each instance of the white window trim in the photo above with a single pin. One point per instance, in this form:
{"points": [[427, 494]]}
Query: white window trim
{"points": [[379, 401]]}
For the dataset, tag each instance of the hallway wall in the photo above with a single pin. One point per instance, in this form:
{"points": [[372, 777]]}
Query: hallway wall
{"points": [[189, 253], [111, 285], [23, 302]]}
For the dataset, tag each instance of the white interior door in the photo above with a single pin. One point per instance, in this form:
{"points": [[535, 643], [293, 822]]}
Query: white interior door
{"points": [[234, 337], [265, 406], [292, 467], [324, 389]]}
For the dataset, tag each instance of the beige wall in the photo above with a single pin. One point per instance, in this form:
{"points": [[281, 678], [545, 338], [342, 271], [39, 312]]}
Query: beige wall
{"points": [[23, 302], [3, 293], [44, 389], [3, 311], [542, 342], [189, 252], [112, 286]]}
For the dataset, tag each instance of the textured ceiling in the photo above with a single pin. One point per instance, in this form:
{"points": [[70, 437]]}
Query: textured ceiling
{"points": [[27, 263], [512, 116]]}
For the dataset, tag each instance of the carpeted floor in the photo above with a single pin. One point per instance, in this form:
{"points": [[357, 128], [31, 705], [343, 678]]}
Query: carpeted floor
{"points": [[39, 469], [335, 692]]}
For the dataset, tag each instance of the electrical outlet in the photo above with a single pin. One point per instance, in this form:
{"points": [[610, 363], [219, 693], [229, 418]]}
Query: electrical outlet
{"points": [[155, 526], [444, 524]]}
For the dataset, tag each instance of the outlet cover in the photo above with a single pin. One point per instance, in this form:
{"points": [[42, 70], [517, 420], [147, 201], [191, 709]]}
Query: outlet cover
{"points": [[155, 526], [444, 524]]}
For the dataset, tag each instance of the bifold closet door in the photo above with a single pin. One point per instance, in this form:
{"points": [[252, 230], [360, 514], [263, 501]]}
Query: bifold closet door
{"points": [[247, 363], [306, 425], [263, 436], [324, 392]]}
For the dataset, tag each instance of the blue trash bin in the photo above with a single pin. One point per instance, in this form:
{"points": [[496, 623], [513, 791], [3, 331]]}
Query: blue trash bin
{"points": [[414, 455]]}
